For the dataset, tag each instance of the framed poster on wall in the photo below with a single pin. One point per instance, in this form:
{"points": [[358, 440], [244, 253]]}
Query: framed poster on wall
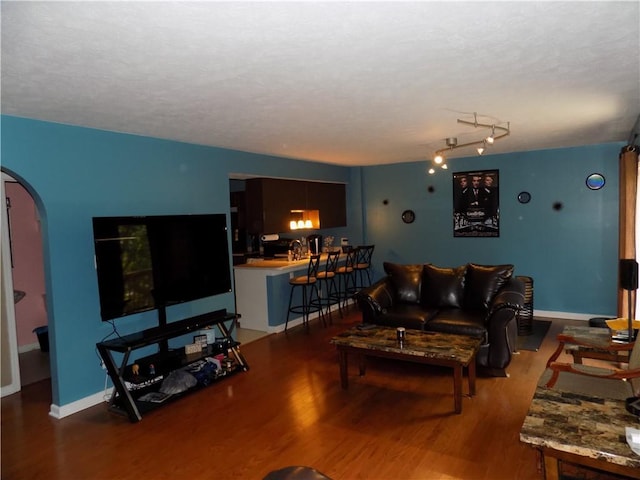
{"points": [[476, 207]]}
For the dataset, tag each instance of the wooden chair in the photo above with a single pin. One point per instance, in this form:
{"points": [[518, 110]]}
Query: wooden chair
{"points": [[600, 381]]}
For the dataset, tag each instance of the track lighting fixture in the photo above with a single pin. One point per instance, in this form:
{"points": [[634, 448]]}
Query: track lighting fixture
{"points": [[452, 142]]}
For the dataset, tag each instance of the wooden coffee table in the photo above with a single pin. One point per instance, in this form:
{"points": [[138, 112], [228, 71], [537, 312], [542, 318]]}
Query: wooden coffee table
{"points": [[455, 351]]}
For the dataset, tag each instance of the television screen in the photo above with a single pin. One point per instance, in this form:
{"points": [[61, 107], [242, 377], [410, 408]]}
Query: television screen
{"points": [[149, 262]]}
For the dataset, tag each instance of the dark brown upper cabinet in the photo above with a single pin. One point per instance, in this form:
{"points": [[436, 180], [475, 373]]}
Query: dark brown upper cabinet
{"points": [[330, 199], [269, 202]]}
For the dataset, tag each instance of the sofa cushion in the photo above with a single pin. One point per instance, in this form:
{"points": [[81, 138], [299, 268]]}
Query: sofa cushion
{"points": [[406, 315], [406, 281], [459, 322], [443, 287], [482, 282]]}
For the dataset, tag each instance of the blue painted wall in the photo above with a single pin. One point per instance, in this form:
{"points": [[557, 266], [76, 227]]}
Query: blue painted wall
{"points": [[77, 173], [570, 253]]}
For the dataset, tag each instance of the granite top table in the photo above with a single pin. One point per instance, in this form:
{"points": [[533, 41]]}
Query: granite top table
{"points": [[601, 341], [455, 351], [580, 429]]}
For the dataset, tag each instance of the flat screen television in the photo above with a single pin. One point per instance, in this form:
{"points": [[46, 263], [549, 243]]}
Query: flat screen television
{"points": [[151, 262]]}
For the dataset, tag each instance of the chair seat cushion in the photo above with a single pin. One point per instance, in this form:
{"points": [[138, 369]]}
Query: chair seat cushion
{"points": [[325, 275], [302, 280], [344, 269]]}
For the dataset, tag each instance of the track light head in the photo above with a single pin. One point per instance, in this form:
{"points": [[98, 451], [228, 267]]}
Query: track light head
{"points": [[452, 142]]}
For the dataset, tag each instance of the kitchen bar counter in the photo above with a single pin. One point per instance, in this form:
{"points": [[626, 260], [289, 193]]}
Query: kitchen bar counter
{"points": [[274, 264], [262, 291]]}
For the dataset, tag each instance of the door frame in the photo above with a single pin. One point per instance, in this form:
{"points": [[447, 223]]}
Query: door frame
{"points": [[8, 307]]}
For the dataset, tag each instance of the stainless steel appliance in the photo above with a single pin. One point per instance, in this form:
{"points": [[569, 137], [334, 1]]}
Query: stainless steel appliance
{"points": [[276, 248], [315, 244]]}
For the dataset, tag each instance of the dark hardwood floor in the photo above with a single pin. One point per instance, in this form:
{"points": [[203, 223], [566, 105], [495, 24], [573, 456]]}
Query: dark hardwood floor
{"points": [[397, 422]]}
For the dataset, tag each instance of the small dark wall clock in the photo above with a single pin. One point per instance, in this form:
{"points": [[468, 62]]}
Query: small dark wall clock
{"points": [[408, 216], [524, 197]]}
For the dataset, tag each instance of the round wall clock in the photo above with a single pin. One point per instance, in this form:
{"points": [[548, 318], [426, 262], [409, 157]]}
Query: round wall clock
{"points": [[408, 216], [524, 197]]}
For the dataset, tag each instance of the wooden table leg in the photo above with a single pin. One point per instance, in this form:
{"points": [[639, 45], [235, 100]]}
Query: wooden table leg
{"points": [[344, 374], [551, 470], [457, 388], [472, 377], [363, 364]]}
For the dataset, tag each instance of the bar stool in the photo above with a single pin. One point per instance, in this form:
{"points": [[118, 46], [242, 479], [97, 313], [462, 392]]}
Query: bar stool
{"points": [[327, 285], [362, 266], [346, 279], [309, 305]]}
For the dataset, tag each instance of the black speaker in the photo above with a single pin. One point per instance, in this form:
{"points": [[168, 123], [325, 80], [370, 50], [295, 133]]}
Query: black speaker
{"points": [[628, 274]]}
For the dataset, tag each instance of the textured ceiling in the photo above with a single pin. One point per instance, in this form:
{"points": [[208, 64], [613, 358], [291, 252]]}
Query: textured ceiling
{"points": [[350, 83]]}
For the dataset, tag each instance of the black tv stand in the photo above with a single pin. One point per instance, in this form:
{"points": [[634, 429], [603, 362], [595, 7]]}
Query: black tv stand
{"points": [[131, 385]]}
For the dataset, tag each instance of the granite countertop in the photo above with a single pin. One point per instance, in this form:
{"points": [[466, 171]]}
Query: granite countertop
{"points": [[280, 263], [461, 348], [582, 425]]}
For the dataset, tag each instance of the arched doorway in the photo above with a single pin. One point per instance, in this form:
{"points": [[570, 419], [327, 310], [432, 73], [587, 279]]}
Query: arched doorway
{"points": [[25, 318]]}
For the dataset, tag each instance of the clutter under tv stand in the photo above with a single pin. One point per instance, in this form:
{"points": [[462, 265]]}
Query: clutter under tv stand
{"points": [[136, 385]]}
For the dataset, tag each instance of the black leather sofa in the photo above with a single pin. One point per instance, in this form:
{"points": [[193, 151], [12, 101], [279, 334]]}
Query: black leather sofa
{"points": [[478, 300]]}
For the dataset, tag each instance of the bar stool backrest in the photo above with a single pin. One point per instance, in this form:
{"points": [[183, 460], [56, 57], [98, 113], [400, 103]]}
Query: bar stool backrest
{"points": [[314, 266], [332, 262], [350, 260], [365, 252]]}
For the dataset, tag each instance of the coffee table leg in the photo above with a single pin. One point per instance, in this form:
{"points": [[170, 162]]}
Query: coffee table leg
{"points": [[551, 469], [472, 377], [344, 375], [457, 388]]}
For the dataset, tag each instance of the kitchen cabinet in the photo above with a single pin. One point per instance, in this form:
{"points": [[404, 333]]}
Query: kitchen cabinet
{"points": [[238, 207], [330, 199], [269, 202]]}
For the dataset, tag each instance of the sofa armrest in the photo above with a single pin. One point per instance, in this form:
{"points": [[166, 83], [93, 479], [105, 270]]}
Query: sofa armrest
{"points": [[511, 296], [375, 300], [501, 322]]}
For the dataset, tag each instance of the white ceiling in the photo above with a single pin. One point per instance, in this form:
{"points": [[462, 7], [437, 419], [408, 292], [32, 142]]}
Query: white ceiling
{"points": [[349, 83]]}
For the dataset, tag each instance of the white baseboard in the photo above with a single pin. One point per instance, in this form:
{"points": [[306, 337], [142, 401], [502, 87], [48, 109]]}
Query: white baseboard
{"points": [[29, 347], [77, 406], [569, 316], [9, 389]]}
